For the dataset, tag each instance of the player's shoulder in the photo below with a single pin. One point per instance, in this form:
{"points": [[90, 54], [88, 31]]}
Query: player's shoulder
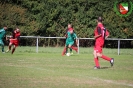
{"points": [[68, 32], [75, 34], [2, 30]]}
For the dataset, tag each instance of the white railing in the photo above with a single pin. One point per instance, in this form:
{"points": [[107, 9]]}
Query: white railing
{"points": [[38, 37]]}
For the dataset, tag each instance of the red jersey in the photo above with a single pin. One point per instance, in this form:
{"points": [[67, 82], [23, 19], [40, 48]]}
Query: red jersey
{"points": [[100, 30], [15, 39], [16, 34], [69, 29]]}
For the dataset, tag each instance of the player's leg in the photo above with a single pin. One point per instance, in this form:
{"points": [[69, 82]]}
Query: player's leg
{"points": [[2, 45], [71, 51], [14, 47], [2, 48], [64, 50], [12, 41], [99, 54], [70, 45], [103, 56], [96, 60], [73, 47], [9, 47]]}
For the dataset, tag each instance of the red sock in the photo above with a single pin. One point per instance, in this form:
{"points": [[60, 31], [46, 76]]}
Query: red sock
{"points": [[64, 51], [74, 48], [106, 58], [13, 50], [96, 62]]}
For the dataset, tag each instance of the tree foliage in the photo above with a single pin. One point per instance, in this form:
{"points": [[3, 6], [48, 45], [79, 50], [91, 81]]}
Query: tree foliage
{"points": [[50, 17]]}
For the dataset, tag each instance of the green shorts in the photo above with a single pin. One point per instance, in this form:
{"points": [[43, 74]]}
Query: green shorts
{"points": [[69, 43], [1, 42]]}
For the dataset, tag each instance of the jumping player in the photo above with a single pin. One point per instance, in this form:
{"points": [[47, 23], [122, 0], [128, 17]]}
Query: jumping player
{"points": [[14, 40], [71, 37], [100, 34], [2, 35]]}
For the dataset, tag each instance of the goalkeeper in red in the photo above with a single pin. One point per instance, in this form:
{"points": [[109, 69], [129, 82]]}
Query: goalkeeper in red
{"points": [[100, 34], [71, 37], [14, 40]]}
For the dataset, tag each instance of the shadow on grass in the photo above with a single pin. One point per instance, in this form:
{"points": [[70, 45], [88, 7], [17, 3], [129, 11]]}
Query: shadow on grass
{"points": [[105, 67]]}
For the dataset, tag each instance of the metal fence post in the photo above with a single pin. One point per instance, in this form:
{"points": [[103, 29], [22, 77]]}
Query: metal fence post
{"points": [[118, 47], [78, 45], [37, 45]]}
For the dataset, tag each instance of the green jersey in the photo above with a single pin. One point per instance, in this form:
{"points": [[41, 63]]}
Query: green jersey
{"points": [[71, 37], [2, 33]]}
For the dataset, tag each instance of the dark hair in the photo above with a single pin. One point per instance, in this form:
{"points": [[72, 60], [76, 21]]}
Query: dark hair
{"points": [[100, 19], [5, 26]]}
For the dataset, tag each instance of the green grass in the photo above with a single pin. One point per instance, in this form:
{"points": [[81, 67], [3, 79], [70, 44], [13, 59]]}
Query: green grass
{"points": [[48, 69]]}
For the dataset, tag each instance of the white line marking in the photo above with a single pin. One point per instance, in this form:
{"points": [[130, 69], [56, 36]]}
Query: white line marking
{"points": [[113, 82], [104, 80], [107, 81]]}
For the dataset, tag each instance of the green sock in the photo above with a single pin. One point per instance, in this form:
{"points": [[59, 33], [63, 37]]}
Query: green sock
{"points": [[70, 50], [2, 48], [66, 49]]}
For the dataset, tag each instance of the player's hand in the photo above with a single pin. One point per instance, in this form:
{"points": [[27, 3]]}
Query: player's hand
{"points": [[15, 31], [7, 39], [106, 37]]}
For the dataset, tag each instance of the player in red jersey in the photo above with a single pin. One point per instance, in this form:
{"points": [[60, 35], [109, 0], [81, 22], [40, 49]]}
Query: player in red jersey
{"points": [[100, 34], [14, 40]]}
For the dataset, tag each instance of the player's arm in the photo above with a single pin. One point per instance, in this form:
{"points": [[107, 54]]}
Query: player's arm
{"points": [[77, 42], [107, 34], [18, 36], [99, 33], [76, 39], [1, 30], [6, 37]]}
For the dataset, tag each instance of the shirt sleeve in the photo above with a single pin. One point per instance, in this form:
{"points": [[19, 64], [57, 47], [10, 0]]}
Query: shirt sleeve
{"points": [[1, 30], [99, 30], [75, 36], [107, 33]]}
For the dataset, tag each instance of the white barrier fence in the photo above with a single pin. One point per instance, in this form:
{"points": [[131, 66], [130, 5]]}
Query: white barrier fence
{"points": [[38, 37]]}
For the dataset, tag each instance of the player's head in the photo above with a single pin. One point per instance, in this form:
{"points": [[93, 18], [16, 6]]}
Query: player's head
{"points": [[17, 30], [5, 27], [69, 25], [99, 19]]}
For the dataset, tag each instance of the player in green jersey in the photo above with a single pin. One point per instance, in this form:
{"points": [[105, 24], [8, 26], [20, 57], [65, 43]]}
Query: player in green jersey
{"points": [[2, 35], [71, 37]]}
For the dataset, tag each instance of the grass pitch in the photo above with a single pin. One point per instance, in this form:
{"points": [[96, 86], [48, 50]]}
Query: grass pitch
{"points": [[48, 69]]}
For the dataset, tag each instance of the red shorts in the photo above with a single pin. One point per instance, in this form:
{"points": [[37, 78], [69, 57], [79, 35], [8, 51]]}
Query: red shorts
{"points": [[14, 42], [98, 48]]}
